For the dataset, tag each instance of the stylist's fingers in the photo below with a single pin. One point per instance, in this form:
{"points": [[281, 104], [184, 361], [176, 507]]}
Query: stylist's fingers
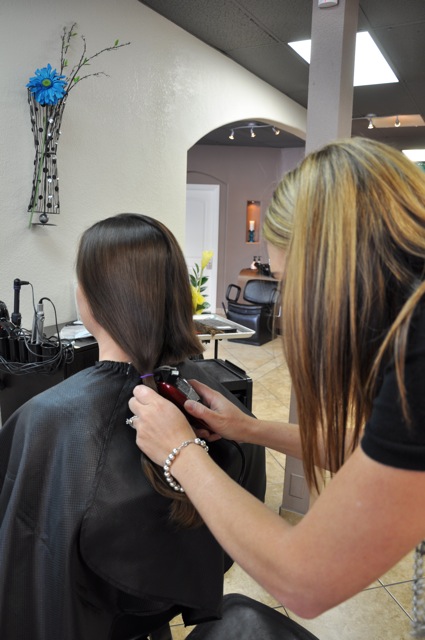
{"points": [[143, 395], [205, 434], [202, 412], [145, 402], [208, 395], [160, 426], [216, 411]]}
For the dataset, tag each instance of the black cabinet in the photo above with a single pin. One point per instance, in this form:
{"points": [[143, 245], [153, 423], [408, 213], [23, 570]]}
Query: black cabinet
{"points": [[231, 377], [16, 389]]}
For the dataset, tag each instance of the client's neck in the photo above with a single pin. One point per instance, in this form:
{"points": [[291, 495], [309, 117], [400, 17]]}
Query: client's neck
{"points": [[108, 348]]}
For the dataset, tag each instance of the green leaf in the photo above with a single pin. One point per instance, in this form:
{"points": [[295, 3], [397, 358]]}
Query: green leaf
{"points": [[65, 63], [116, 43], [76, 79]]}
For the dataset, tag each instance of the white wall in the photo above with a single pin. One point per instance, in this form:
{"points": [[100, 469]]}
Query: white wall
{"points": [[124, 138]]}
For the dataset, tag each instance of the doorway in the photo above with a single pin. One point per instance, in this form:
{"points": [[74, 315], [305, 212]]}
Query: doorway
{"points": [[202, 219]]}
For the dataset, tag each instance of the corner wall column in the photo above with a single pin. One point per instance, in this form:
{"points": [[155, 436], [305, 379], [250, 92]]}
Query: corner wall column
{"points": [[329, 116]]}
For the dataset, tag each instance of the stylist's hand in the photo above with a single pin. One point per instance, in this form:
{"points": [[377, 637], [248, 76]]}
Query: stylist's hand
{"points": [[160, 426], [221, 415]]}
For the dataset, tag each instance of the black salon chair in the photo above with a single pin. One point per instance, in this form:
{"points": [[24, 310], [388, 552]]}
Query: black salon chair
{"points": [[246, 619], [261, 311], [133, 629], [164, 633]]}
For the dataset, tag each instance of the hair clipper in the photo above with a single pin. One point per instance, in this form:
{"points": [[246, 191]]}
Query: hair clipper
{"points": [[172, 386]]}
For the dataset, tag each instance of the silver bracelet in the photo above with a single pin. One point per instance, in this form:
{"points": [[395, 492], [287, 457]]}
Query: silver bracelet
{"points": [[172, 456]]}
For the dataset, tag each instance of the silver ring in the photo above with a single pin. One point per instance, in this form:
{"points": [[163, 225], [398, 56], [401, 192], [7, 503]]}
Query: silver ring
{"points": [[129, 421]]}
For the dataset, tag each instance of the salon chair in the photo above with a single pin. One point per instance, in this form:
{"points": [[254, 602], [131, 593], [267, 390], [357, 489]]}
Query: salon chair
{"points": [[259, 314], [160, 631], [164, 633], [246, 619]]}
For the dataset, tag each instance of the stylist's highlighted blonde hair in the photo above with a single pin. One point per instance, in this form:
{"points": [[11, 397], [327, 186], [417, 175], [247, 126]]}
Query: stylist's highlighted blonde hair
{"points": [[351, 219]]}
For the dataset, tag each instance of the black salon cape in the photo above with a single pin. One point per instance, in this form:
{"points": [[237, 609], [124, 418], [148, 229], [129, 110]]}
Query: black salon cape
{"points": [[83, 536]]}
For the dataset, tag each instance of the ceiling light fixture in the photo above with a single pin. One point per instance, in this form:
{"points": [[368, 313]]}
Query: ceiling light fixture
{"points": [[370, 117], [416, 155], [390, 121], [370, 66], [252, 127]]}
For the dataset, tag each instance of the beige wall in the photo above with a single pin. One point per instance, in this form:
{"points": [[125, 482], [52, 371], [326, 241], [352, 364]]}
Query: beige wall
{"points": [[124, 138]]}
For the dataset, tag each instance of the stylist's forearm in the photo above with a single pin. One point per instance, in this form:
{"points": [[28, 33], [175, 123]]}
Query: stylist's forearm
{"points": [[284, 437], [230, 422], [280, 436]]}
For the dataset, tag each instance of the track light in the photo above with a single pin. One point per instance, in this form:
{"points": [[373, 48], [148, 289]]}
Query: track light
{"points": [[252, 128], [375, 121], [370, 116]]}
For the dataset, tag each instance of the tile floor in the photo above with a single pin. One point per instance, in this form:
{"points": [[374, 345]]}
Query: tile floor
{"points": [[380, 612]]}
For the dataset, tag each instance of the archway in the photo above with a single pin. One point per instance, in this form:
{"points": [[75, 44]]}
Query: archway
{"points": [[245, 169]]}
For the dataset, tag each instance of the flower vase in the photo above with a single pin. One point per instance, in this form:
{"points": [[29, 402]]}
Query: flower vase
{"points": [[45, 125]]}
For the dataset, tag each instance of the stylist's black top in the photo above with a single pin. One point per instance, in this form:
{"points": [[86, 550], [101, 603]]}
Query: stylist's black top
{"points": [[388, 438]]}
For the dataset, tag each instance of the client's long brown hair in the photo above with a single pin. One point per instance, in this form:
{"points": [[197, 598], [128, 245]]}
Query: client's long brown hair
{"points": [[134, 276]]}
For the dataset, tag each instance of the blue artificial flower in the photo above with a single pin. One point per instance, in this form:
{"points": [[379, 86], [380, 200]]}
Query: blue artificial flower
{"points": [[47, 86]]}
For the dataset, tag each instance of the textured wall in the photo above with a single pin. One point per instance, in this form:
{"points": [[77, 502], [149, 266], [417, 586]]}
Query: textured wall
{"points": [[124, 138]]}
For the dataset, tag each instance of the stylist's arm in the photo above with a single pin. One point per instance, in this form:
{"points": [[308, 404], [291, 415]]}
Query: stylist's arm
{"points": [[304, 567]]}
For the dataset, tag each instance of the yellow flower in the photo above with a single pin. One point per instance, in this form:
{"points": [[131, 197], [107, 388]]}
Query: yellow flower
{"points": [[194, 297], [198, 283], [206, 257], [197, 300]]}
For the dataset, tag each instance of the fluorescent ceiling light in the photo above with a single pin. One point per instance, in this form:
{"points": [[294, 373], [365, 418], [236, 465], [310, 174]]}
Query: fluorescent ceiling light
{"points": [[416, 155], [370, 66], [303, 48]]}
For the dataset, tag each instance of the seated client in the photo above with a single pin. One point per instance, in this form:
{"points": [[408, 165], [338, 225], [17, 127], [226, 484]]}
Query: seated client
{"points": [[94, 544]]}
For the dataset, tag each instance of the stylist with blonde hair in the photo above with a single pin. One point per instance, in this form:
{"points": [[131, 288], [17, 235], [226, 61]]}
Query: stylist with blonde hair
{"points": [[347, 228]]}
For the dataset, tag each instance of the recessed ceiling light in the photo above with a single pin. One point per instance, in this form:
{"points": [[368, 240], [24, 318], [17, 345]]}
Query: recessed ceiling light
{"points": [[303, 48], [370, 66], [416, 155]]}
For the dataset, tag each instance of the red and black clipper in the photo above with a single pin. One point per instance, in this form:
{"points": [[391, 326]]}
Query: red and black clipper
{"points": [[172, 386]]}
